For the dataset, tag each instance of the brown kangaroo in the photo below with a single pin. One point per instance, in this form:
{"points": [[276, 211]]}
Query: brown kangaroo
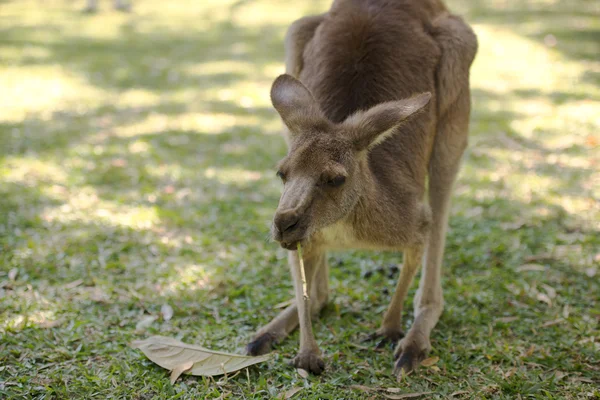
{"points": [[376, 101]]}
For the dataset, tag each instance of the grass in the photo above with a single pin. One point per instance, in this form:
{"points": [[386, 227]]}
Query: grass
{"points": [[136, 170]]}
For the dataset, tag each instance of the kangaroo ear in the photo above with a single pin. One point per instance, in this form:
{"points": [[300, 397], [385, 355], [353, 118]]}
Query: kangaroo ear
{"points": [[373, 126], [296, 105]]}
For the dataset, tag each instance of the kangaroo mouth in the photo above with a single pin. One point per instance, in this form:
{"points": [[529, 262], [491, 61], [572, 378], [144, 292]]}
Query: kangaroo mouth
{"points": [[293, 245], [289, 241]]}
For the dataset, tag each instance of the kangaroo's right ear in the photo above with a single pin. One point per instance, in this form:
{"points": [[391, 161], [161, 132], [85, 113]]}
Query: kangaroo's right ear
{"points": [[297, 107], [376, 124]]}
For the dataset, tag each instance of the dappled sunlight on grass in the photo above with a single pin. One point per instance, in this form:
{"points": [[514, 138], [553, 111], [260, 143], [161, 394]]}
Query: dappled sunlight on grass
{"points": [[41, 90], [187, 278], [16, 323], [203, 123], [235, 69], [85, 206], [246, 93], [535, 82], [134, 98], [535, 125], [30, 171], [506, 61], [30, 308], [230, 175]]}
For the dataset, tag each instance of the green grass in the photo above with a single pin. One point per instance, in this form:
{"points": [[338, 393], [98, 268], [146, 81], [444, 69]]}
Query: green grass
{"points": [[136, 170]]}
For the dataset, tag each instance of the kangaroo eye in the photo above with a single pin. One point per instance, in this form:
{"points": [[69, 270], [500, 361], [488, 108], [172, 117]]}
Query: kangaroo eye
{"points": [[281, 175], [337, 181]]}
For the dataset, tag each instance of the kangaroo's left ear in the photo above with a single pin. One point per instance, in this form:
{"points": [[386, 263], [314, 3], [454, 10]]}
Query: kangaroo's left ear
{"points": [[373, 126], [296, 105]]}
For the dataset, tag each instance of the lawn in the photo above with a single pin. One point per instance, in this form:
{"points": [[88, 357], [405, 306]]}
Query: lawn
{"points": [[137, 156]]}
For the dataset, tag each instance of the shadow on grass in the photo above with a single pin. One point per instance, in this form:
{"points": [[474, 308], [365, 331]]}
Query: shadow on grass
{"points": [[161, 60], [116, 64], [64, 132], [532, 153], [210, 195]]}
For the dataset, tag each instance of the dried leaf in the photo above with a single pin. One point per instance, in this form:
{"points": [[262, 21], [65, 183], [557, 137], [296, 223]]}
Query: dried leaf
{"points": [[358, 346], [145, 322], [166, 312], [531, 267], [428, 362], [559, 375], [302, 372], [493, 388], [170, 353], [586, 340], [119, 162], [544, 297], [290, 393], [98, 295], [535, 365], [73, 284], [581, 379], [529, 351], [405, 395], [474, 212], [592, 141], [515, 303], [550, 323], [180, 369], [393, 390], [550, 291], [12, 274], [557, 253], [510, 373], [46, 324], [513, 226]]}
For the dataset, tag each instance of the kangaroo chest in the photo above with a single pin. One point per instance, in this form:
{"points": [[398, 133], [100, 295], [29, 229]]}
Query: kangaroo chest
{"points": [[342, 235]]}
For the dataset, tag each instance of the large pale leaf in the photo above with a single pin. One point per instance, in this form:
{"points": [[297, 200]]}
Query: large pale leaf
{"points": [[172, 354]]}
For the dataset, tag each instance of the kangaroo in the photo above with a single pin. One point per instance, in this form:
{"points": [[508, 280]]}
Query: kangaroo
{"points": [[376, 102]]}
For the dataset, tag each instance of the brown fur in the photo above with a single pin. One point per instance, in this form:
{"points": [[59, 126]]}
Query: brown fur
{"points": [[378, 102]]}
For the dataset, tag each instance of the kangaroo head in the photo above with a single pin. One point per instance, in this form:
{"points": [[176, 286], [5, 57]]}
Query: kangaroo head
{"points": [[324, 171]]}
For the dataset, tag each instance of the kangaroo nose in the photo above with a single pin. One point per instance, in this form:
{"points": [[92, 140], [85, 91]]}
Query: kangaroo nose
{"points": [[286, 221]]}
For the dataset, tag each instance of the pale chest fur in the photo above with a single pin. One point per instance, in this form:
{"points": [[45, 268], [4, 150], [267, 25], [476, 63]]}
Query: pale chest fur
{"points": [[342, 235]]}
